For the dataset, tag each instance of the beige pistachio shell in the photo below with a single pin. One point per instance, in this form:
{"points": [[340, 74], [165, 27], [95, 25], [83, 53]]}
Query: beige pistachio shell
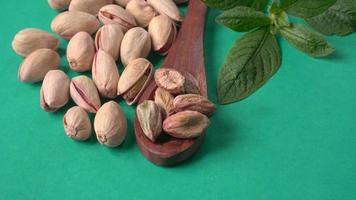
{"points": [[150, 119], [170, 79], [88, 6], [109, 38], [54, 91], [186, 124], [84, 93], [132, 74], [135, 44], [110, 124], [122, 3], [142, 11], [36, 65], [105, 74], [163, 32], [68, 23], [80, 52], [59, 4], [30, 39], [114, 14], [167, 7], [77, 124]]}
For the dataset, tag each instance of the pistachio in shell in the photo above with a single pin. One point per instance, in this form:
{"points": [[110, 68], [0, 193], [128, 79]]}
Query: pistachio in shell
{"points": [[105, 74], [134, 79], [68, 23], [77, 124], [36, 65], [114, 14], [59, 5], [168, 8], [163, 33], [109, 38], [30, 39], [54, 91], [142, 11], [135, 44], [80, 52], [88, 6], [110, 124], [122, 3]]}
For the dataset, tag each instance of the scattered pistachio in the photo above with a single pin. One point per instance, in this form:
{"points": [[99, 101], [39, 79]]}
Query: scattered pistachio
{"points": [[109, 38], [114, 14], [142, 11], [150, 118], [163, 32], [170, 79], [88, 6], [80, 52], [77, 124]]}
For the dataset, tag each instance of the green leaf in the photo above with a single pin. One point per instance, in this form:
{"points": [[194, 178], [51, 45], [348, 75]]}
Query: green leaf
{"points": [[307, 41], [306, 8], [243, 19], [228, 4], [251, 62], [222, 4], [339, 19]]}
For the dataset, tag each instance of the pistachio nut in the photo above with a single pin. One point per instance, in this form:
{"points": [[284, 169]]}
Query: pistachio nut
{"points": [[54, 91], [110, 124], [36, 65], [135, 44], [186, 124], [30, 39], [68, 23], [191, 85], [122, 3], [163, 32], [77, 124], [193, 102], [168, 8], [88, 6], [80, 52], [59, 4], [114, 14], [170, 79], [164, 100], [134, 79], [150, 118], [109, 38], [142, 11], [84, 93], [105, 74]]}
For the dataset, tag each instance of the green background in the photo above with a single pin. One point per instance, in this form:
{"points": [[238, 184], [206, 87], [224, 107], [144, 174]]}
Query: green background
{"points": [[293, 139]]}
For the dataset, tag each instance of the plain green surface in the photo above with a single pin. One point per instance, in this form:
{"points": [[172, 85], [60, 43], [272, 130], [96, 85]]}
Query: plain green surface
{"points": [[294, 139]]}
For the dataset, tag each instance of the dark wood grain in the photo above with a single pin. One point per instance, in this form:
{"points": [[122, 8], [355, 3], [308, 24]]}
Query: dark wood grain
{"points": [[186, 55]]}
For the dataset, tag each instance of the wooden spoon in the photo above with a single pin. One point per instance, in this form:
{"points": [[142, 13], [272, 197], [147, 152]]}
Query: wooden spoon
{"points": [[186, 55]]}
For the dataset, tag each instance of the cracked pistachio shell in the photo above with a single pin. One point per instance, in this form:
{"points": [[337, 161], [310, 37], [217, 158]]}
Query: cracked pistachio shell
{"points": [[84, 93], [167, 7], [163, 32], [135, 44], [88, 6], [59, 4], [114, 14], [164, 100], [109, 38], [36, 65], [193, 102], [77, 124], [150, 118], [142, 11], [54, 91], [105, 74], [186, 124], [30, 39], [110, 124], [80, 52], [68, 23], [122, 3], [170, 79], [133, 73]]}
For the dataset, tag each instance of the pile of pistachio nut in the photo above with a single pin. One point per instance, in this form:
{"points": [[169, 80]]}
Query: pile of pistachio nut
{"points": [[100, 33]]}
